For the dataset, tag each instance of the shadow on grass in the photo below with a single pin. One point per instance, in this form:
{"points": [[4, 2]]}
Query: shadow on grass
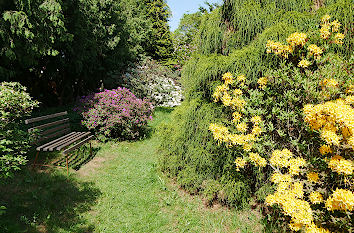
{"points": [[46, 202]]}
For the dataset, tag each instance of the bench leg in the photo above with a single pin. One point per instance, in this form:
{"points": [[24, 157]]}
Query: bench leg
{"points": [[90, 150], [67, 165], [35, 159]]}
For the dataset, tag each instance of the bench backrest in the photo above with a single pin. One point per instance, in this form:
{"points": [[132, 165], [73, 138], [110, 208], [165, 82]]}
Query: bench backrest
{"points": [[55, 125]]}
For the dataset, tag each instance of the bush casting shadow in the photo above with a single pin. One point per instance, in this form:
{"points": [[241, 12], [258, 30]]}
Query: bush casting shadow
{"points": [[45, 202]]}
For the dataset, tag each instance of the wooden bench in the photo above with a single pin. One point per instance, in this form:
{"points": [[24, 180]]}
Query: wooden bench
{"points": [[57, 136]]}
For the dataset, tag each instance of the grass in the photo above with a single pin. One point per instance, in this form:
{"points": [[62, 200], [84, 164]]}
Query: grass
{"points": [[120, 190]]}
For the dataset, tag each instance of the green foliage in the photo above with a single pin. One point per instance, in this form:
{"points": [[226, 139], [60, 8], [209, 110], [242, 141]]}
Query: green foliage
{"points": [[64, 49], [160, 45], [15, 103], [232, 39]]}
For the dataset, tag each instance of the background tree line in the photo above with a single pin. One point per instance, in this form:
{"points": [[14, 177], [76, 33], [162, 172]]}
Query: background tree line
{"points": [[63, 49]]}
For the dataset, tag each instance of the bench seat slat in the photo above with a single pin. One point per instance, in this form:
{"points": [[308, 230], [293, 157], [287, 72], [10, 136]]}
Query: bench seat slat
{"points": [[56, 134], [41, 118], [54, 141], [49, 124], [73, 140], [48, 131], [48, 148], [77, 145]]}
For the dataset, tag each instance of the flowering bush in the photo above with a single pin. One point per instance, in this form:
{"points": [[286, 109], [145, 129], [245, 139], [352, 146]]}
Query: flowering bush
{"points": [[116, 113], [15, 103], [155, 82], [313, 191]]}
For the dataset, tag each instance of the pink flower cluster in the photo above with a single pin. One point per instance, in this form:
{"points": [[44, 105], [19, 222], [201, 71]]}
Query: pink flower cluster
{"points": [[116, 113]]}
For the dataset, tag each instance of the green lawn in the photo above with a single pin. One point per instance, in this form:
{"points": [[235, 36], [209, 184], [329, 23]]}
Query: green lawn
{"points": [[120, 190]]}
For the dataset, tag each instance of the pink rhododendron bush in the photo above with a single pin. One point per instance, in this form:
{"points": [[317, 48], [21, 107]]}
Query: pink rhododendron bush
{"points": [[116, 113]]}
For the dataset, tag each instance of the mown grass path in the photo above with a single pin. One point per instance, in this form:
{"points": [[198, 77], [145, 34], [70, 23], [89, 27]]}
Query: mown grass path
{"points": [[136, 197], [120, 190]]}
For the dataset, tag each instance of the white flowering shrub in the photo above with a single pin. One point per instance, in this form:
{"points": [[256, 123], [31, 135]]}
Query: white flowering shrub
{"points": [[155, 82]]}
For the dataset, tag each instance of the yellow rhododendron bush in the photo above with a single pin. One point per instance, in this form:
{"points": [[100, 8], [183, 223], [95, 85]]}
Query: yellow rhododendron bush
{"points": [[295, 125]]}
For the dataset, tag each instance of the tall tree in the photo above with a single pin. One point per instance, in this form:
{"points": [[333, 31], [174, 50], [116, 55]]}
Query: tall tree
{"points": [[63, 48], [160, 45]]}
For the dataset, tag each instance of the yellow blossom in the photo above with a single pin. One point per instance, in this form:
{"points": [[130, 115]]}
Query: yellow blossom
{"points": [[341, 199], [325, 18], [227, 77], [335, 25], [237, 92], [277, 178], [316, 197], [295, 226], [256, 120], [312, 228], [256, 130], [330, 137], [304, 63], [296, 39], [315, 51], [280, 158], [262, 82], [236, 116], [338, 38], [241, 78], [313, 177], [240, 163], [325, 31], [340, 165], [257, 159], [242, 127], [325, 149], [349, 99], [226, 99]]}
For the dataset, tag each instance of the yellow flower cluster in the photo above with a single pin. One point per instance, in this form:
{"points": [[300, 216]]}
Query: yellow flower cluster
{"points": [[288, 196], [329, 83], [335, 120], [338, 38], [219, 92], [325, 149], [326, 32], [236, 102], [262, 82], [304, 63], [341, 199], [290, 193], [349, 99], [350, 89], [315, 197], [336, 26], [236, 116], [240, 163], [312, 228], [284, 159], [257, 159], [315, 51], [340, 165], [228, 78], [313, 177], [297, 39], [278, 48]]}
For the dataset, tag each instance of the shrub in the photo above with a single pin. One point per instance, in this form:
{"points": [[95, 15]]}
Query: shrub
{"points": [[313, 191], [15, 103], [185, 140], [155, 82], [116, 113]]}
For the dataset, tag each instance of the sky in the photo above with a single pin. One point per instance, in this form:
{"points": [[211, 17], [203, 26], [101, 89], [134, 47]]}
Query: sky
{"points": [[179, 7]]}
